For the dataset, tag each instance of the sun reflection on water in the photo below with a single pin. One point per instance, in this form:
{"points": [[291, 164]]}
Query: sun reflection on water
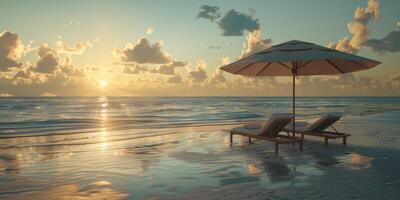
{"points": [[103, 117], [103, 108], [356, 161], [254, 170], [104, 140]]}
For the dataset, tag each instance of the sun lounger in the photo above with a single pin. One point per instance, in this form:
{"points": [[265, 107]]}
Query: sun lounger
{"points": [[269, 131], [318, 128]]}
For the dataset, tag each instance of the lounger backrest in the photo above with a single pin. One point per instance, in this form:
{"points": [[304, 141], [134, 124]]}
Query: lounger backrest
{"points": [[275, 124], [324, 122]]}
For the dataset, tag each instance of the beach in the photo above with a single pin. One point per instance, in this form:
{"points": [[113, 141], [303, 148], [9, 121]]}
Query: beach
{"points": [[178, 148]]}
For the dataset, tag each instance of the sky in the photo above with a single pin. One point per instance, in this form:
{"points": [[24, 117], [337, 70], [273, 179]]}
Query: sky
{"points": [[176, 47]]}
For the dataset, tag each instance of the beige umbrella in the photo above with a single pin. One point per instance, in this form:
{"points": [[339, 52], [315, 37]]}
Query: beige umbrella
{"points": [[298, 58]]}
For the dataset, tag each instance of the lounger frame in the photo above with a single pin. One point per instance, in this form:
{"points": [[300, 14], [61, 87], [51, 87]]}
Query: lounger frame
{"points": [[279, 139], [325, 134]]}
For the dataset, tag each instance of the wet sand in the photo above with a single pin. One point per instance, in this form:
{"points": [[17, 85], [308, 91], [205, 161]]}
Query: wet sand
{"points": [[199, 163]]}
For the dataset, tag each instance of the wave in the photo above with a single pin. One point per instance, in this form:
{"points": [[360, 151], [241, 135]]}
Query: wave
{"points": [[28, 117]]}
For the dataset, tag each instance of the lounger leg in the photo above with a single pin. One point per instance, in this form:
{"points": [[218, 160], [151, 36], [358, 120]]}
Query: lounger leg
{"points": [[231, 137], [326, 141], [302, 136], [249, 140], [276, 147], [344, 141]]}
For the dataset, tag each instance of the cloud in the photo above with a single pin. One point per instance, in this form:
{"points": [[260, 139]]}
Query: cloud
{"points": [[168, 69], [393, 82], [209, 12], [52, 60], [217, 77], [65, 72], [143, 52], [27, 82], [70, 70], [48, 60], [396, 77], [391, 42], [47, 67], [345, 84], [11, 50], [52, 73], [374, 8], [149, 31], [23, 77], [226, 60], [67, 82], [48, 94], [214, 47], [358, 27], [77, 49], [343, 45], [23, 74], [255, 43], [177, 78], [199, 74], [6, 95], [134, 69], [234, 23], [44, 49]]}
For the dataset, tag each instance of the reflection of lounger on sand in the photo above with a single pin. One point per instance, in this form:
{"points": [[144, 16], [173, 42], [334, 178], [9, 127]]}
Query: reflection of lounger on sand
{"points": [[277, 169], [269, 131], [318, 128]]}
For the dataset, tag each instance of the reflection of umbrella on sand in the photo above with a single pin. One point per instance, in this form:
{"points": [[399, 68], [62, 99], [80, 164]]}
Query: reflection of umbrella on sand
{"points": [[297, 58]]}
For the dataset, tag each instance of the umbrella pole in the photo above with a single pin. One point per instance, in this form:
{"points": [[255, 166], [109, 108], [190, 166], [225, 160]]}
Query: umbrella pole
{"points": [[293, 103]]}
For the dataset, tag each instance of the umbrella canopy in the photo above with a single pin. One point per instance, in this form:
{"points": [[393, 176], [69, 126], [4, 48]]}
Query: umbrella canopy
{"points": [[298, 58]]}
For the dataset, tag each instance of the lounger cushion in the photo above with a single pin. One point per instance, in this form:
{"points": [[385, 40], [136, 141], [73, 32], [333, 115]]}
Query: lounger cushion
{"points": [[243, 130], [324, 122], [275, 124], [253, 126], [270, 128], [299, 126]]}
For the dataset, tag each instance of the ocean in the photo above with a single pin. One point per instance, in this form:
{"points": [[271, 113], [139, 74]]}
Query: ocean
{"points": [[178, 148]]}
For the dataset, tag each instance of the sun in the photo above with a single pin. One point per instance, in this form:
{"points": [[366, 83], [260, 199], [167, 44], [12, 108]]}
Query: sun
{"points": [[103, 83]]}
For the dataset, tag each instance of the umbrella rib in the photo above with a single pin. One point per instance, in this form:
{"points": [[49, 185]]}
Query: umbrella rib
{"points": [[289, 68], [233, 62], [243, 68], [303, 65], [357, 63], [265, 67], [336, 67]]}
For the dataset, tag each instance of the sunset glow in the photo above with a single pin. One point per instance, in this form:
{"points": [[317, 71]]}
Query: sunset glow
{"points": [[145, 51], [103, 83]]}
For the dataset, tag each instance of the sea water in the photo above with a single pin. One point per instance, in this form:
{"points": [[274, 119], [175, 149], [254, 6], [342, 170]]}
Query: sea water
{"points": [[178, 148]]}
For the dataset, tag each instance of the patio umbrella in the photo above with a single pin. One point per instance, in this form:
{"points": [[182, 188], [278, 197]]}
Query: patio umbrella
{"points": [[298, 58]]}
